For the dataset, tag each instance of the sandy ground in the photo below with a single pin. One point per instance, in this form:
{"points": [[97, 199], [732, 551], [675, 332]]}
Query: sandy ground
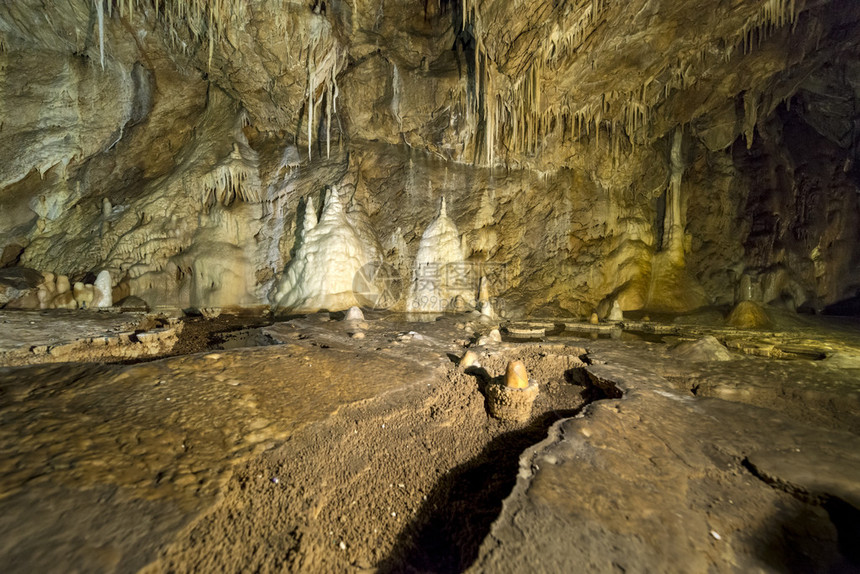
{"points": [[322, 445]]}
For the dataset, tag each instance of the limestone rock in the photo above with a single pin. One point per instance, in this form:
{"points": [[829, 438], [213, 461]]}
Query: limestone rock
{"points": [[602, 458], [469, 359], [705, 349], [132, 303], [17, 283]]}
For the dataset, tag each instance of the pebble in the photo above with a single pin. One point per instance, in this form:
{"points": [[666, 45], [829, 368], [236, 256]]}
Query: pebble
{"points": [[715, 535], [357, 335]]}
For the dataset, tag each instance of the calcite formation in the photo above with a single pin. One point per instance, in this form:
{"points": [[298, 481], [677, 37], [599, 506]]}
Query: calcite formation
{"points": [[513, 400], [663, 155], [330, 254], [438, 266]]}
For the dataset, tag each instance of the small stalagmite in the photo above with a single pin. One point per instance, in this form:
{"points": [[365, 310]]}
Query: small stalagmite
{"points": [[513, 400], [594, 319], [103, 286], [64, 300], [63, 285], [615, 314], [354, 314], [516, 376], [83, 294]]}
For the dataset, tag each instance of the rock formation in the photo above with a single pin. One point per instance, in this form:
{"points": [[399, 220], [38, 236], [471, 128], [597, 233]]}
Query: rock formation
{"points": [[666, 158], [439, 274], [330, 255], [104, 290]]}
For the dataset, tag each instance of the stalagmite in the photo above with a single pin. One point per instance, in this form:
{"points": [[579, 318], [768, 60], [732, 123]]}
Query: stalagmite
{"points": [[516, 376], [83, 295], [63, 285], [354, 314], [310, 220], [65, 300], [103, 290], [437, 264], [513, 400], [330, 256], [615, 314]]}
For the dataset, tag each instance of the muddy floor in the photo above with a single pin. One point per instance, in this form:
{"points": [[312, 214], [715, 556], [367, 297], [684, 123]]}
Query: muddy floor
{"points": [[323, 445]]}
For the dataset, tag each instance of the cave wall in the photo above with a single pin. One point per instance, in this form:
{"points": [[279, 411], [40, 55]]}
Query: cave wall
{"points": [[179, 152]]}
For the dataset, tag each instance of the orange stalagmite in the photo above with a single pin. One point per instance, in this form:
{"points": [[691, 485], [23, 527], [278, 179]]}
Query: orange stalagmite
{"points": [[516, 376]]}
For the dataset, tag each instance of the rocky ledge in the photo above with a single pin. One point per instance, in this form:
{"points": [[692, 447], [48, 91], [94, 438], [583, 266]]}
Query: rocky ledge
{"points": [[652, 480]]}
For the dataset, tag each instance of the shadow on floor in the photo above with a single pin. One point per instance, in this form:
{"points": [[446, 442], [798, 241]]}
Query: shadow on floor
{"points": [[447, 533]]}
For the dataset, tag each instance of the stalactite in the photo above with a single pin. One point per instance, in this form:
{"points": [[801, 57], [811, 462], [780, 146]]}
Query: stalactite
{"points": [[311, 91], [211, 16], [673, 227], [772, 15], [100, 10]]}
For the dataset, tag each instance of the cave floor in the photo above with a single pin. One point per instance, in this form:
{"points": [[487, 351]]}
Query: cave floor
{"points": [[133, 441]]}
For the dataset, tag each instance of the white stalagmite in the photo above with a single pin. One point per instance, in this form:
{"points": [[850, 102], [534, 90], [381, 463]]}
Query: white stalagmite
{"points": [[329, 257], [103, 296], [438, 275], [615, 313]]}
